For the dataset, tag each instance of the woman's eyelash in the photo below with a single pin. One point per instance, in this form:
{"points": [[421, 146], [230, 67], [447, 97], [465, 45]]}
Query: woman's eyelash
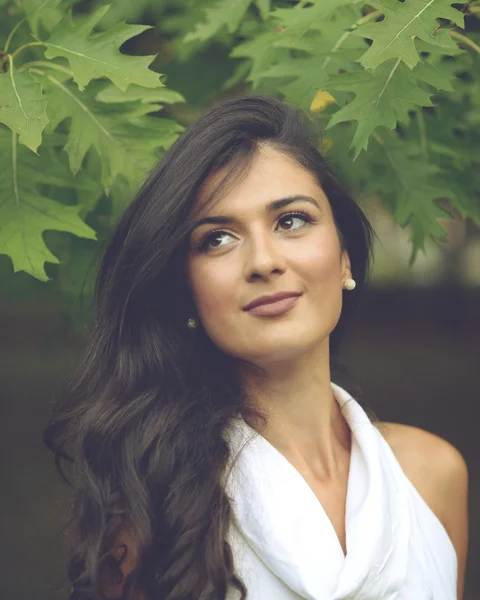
{"points": [[299, 213], [203, 243]]}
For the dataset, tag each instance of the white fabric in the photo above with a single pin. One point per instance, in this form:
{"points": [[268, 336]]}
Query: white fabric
{"points": [[285, 546]]}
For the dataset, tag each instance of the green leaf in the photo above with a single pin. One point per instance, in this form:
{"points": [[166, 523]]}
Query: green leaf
{"points": [[176, 25], [319, 30], [126, 140], [126, 10], [296, 22], [335, 145], [404, 21], [23, 106], [264, 7], [112, 94], [434, 76], [326, 31], [94, 56], [464, 198], [45, 12], [381, 99], [449, 151], [120, 196], [332, 50], [414, 186], [26, 213], [77, 274], [309, 77], [223, 13], [240, 72], [88, 187], [262, 52]]}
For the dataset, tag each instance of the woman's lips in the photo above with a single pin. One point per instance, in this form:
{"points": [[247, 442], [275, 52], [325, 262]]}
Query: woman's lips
{"points": [[273, 309]]}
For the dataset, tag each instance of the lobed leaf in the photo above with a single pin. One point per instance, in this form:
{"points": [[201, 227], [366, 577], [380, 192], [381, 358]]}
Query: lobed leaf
{"points": [[413, 186], [26, 213], [46, 12], [95, 56], [296, 22], [382, 98], [264, 7], [112, 94], [23, 106], [404, 21], [308, 77], [125, 139], [223, 13], [262, 52], [324, 35]]}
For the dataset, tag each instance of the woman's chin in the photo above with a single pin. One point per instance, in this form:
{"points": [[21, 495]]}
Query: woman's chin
{"points": [[279, 351], [275, 344]]}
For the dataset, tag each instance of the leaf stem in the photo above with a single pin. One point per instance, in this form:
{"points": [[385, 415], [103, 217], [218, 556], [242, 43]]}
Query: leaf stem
{"points": [[465, 40], [14, 87], [44, 63], [85, 109], [367, 17], [388, 79], [30, 44], [12, 33], [346, 33]]}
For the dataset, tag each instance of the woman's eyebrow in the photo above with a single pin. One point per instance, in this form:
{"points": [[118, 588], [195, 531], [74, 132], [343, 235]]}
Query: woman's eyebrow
{"points": [[271, 207]]}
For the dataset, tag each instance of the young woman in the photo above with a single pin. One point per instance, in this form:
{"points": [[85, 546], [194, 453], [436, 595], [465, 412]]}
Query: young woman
{"points": [[212, 455]]}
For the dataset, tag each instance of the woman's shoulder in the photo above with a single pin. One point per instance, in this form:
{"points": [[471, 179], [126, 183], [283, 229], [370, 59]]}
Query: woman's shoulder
{"points": [[419, 448], [439, 473], [434, 466]]}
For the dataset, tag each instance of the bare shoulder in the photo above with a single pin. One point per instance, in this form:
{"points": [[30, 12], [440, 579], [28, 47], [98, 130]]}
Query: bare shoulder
{"points": [[439, 473], [434, 466]]}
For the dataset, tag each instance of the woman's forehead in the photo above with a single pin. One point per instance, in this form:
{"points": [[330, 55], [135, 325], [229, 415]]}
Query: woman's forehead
{"points": [[268, 168]]}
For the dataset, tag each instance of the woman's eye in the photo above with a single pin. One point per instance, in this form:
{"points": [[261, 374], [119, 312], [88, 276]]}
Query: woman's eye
{"points": [[213, 240], [290, 219]]}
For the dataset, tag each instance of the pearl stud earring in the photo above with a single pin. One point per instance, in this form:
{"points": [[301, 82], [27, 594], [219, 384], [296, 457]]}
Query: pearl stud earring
{"points": [[349, 284]]}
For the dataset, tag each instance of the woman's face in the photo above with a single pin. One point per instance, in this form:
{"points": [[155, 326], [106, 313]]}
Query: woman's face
{"points": [[267, 242]]}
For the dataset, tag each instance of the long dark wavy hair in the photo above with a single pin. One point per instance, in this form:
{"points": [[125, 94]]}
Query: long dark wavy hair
{"points": [[141, 425]]}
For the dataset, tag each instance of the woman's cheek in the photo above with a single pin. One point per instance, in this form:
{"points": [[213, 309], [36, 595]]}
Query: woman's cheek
{"points": [[317, 264], [215, 291]]}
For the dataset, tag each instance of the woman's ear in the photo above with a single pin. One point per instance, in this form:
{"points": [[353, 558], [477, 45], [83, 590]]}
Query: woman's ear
{"points": [[346, 266]]}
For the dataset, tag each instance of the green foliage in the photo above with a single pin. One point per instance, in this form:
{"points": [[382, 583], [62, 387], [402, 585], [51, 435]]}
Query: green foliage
{"points": [[83, 97], [125, 138], [25, 212], [43, 12], [225, 13], [394, 87], [410, 65], [383, 98], [24, 106], [405, 22], [93, 57]]}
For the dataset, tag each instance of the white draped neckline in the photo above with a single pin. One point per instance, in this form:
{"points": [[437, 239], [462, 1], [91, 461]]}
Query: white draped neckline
{"points": [[284, 523]]}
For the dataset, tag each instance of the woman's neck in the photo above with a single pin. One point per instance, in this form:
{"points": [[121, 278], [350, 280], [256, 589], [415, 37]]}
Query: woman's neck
{"points": [[305, 422]]}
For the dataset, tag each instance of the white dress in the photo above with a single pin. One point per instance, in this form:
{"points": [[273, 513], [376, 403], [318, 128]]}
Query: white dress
{"points": [[285, 546]]}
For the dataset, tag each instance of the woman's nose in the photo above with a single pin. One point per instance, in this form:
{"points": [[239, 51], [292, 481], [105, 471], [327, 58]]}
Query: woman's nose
{"points": [[264, 257]]}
